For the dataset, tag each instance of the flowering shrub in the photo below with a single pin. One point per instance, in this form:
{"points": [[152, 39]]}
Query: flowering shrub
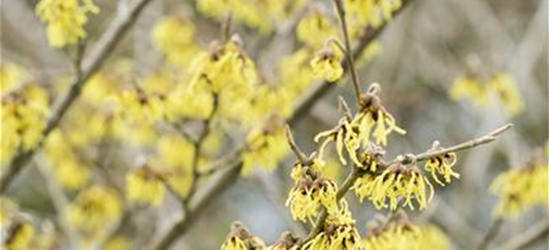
{"points": [[126, 156]]}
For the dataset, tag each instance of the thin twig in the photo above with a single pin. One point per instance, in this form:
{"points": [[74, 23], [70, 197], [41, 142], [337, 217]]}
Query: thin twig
{"points": [[490, 137], [348, 49], [490, 235], [60, 202], [123, 21], [298, 152], [537, 231]]}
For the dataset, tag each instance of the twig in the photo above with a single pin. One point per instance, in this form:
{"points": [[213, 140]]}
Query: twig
{"points": [[490, 235], [60, 202], [298, 152], [198, 147], [348, 50], [490, 137], [227, 175], [531, 235], [118, 27]]}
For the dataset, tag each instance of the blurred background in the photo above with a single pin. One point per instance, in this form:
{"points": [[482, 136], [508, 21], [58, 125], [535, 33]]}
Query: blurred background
{"points": [[423, 51]]}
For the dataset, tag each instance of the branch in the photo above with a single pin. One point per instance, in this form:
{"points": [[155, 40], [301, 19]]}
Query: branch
{"points": [[229, 172], [125, 18], [348, 50], [531, 235], [490, 235], [490, 137], [60, 202]]}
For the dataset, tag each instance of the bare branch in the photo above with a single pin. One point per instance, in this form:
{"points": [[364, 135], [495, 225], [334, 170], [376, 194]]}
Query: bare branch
{"points": [[348, 50], [536, 232], [298, 152]]}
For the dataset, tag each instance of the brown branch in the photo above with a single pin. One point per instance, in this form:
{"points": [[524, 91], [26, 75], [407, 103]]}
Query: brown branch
{"points": [[490, 235], [226, 175], [348, 49], [293, 145], [490, 137], [125, 18]]}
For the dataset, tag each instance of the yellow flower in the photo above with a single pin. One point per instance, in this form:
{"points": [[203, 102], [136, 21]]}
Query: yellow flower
{"points": [[314, 29], [229, 74], [19, 236], [145, 186], [175, 38], [69, 170], [505, 88], [374, 119], [395, 183], [442, 165], [521, 189], [346, 136], [371, 12], [311, 190], [174, 160], [94, 209], [66, 19], [327, 63], [470, 87], [118, 243], [399, 233], [241, 239], [339, 232], [23, 114], [11, 76], [138, 106], [265, 148]]}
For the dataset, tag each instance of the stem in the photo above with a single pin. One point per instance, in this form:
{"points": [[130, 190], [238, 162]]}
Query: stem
{"points": [[490, 235], [531, 235], [348, 50]]}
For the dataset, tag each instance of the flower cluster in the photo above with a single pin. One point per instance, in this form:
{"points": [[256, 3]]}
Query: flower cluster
{"points": [[311, 191], [94, 209], [143, 185], [261, 15], [401, 234], [393, 184], [501, 86], [354, 134], [521, 188], [70, 170], [241, 239], [66, 19], [23, 115], [175, 38], [338, 232], [265, 147], [327, 63], [442, 165]]}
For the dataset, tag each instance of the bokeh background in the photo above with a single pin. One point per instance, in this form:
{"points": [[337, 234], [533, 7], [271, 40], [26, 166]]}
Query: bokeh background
{"points": [[423, 51]]}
